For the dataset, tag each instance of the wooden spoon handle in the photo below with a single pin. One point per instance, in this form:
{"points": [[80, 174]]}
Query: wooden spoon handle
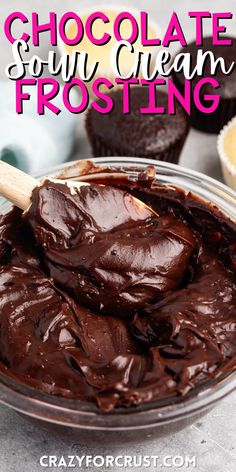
{"points": [[16, 186]]}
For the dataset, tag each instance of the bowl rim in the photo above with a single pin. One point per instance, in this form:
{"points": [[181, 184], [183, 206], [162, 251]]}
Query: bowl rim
{"points": [[67, 412], [82, 415], [139, 161]]}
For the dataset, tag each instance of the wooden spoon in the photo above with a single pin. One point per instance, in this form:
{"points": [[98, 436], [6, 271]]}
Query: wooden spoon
{"points": [[17, 187]]}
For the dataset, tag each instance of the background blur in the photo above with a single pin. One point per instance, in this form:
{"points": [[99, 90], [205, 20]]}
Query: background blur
{"points": [[159, 10], [199, 152]]}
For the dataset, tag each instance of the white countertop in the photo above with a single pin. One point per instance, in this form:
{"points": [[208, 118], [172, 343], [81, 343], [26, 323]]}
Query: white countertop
{"points": [[213, 439]]}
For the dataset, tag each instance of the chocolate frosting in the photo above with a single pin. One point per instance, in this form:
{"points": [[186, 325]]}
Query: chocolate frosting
{"points": [[113, 258], [103, 301]]}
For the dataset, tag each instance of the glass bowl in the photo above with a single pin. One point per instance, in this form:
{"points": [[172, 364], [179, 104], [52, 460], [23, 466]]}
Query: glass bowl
{"points": [[85, 420]]}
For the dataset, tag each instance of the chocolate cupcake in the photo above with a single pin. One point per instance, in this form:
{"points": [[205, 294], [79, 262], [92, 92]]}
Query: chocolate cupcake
{"points": [[213, 122], [135, 134]]}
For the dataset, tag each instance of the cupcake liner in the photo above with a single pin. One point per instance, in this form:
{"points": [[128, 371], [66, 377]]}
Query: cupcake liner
{"points": [[210, 123], [228, 169], [101, 149]]}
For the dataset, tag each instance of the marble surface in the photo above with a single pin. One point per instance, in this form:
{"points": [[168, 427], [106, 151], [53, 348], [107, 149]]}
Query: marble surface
{"points": [[213, 439]]}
